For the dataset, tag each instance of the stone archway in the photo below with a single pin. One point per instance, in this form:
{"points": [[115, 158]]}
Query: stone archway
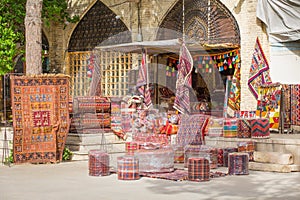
{"points": [[211, 24], [97, 25]]}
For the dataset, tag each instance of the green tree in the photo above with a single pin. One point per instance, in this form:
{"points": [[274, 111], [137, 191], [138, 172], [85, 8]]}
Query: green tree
{"points": [[13, 14]]}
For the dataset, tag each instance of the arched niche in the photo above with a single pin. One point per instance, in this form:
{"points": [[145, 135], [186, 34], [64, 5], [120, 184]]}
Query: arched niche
{"points": [[97, 26]]}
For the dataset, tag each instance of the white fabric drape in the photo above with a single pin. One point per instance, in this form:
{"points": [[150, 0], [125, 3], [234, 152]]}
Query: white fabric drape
{"points": [[282, 18]]}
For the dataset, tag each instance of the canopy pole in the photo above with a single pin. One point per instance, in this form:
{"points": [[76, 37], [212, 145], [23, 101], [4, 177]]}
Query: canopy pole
{"points": [[183, 19]]}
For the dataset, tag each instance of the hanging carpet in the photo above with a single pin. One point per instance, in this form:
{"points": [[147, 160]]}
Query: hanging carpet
{"points": [[41, 117], [259, 70]]}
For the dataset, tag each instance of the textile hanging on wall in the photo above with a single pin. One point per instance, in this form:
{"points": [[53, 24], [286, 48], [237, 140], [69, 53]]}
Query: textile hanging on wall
{"points": [[259, 70], [268, 104], [295, 105], [234, 98], [287, 105], [40, 116]]}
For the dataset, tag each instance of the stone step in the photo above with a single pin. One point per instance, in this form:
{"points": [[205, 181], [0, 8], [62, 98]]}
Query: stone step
{"points": [[109, 138], [273, 157], [270, 167], [111, 148]]}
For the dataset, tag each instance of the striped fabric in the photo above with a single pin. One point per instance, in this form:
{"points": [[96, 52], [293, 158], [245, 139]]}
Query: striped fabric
{"points": [[226, 152], [184, 81], [260, 128], [230, 127], [128, 168], [238, 163], [244, 128], [143, 82], [98, 163], [198, 169], [215, 127]]}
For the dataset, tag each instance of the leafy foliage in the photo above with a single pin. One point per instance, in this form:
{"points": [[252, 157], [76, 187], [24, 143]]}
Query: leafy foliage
{"points": [[67, 154], [12, 30]]}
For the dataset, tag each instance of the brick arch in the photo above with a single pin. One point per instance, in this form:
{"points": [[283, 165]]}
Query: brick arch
{"points": [[215, 24], [98, 25]]}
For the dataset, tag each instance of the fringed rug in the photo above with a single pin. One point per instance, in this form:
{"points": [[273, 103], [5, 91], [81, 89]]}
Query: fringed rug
{"points": [[40, 108]]}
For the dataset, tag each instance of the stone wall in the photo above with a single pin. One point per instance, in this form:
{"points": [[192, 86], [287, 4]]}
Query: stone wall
{"points": [[152, 14]]}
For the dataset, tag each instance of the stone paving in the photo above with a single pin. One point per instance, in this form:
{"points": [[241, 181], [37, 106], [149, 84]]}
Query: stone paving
{"points": [[70, 180]]}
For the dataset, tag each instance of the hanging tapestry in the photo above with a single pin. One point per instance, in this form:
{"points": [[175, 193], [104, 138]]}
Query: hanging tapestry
{"points": [[287, 105], [268, 103], [259, 70], [295, 104], [191, 129], [143, 82], [41, 117], [234, 98], [184, 81]]}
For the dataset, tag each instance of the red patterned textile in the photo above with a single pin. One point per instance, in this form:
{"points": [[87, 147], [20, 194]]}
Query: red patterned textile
{"points": [[244, 128], [220, 158], [226, 151], [176, 175], [92, 104], [143, 82], [238, 163], [40, 106], [98, 163], [191, 130], [247, 146], [230, 128], [184, 81], [128, 168], [260, 128], [259, 70], [295, 105], [198, 169]]}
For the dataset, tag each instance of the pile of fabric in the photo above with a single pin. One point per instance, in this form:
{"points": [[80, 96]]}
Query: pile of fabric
{"points": [[91, 114]]}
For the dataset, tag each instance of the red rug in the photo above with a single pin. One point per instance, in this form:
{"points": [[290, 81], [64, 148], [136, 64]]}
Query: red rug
{"points": [[40, 108]]}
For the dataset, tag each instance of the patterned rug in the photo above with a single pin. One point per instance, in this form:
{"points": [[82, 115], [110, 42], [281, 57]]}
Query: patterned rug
{"points": [[41, 117], [268, 103], [259, 70], [191, 129], [295, 104], [234, 98]]}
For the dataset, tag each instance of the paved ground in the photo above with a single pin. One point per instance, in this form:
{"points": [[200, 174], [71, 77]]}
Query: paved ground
{"points": [[70, 180]]}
